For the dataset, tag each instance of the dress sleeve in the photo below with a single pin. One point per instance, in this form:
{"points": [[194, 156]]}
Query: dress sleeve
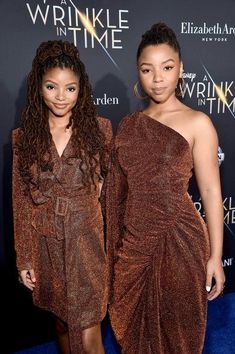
{"points": [[108, 131], [22, 214], [106, 127], [115, 193]]}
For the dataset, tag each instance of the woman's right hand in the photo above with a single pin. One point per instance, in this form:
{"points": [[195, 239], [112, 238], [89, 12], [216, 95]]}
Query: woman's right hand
{"points": [[27, 277]]}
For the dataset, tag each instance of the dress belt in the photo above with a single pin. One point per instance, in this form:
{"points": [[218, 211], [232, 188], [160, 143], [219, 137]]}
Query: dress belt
{"points": [[63, 204]]}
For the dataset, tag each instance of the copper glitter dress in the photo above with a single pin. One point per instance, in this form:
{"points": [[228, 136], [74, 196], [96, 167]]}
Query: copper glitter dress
{"points": [[59, 233], [158, 243]]}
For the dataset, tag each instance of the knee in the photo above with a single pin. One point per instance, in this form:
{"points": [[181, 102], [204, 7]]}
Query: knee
{"points": [[92, 342], [91, 346]]}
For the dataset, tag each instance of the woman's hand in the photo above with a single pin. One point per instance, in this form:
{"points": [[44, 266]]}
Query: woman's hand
{"points": [[215, 270], [27, 277]]}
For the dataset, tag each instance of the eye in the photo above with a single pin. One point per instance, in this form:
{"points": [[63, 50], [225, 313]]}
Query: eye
{"points": [[71, 89], [145, 71], [50, 87], [168, 67]]}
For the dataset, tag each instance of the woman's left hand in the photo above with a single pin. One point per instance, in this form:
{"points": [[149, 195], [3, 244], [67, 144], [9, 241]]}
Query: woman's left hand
{"points": [[215, 270]]}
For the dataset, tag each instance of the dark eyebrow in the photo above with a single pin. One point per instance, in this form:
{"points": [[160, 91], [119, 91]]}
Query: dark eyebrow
{"points": [[71, 83], [170, 59], [164, 62], [146, 64]]}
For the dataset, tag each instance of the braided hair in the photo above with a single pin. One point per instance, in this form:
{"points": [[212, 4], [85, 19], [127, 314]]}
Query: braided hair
{"points": [[34, 140]]}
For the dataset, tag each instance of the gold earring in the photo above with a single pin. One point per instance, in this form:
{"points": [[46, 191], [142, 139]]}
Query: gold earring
{"points": [[180, 87], [136, 92]]}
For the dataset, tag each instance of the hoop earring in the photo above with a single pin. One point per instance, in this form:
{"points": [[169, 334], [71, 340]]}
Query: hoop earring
{"points": [[136, 92], [180, 87]]}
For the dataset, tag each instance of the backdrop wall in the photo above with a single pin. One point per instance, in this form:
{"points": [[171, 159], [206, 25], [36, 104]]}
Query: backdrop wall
{"points": [[206, 31]]}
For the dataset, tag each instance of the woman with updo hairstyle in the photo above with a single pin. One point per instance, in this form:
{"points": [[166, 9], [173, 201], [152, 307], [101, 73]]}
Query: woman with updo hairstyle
{"points": [[60, 154], [165, 261]]}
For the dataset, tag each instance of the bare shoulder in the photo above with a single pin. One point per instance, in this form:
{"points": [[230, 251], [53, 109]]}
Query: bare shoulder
{"points": [[203, 128], [199, 121], [198, 118]]}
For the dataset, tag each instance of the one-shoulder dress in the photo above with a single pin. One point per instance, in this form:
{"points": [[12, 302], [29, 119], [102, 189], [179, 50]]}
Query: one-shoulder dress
{"points": [[158, 243]]}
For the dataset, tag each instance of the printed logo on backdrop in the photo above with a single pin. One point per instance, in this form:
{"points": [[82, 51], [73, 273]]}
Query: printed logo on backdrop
{"points": [[90, 27], [216, 97], [105, 100], [228, 262], [228, 206], [209, 32], [95, 28], [229, 219], [221, 155]]}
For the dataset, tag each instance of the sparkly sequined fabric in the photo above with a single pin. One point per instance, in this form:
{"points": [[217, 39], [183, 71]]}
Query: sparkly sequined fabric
{"points": [[59, 233], [158, 243]]}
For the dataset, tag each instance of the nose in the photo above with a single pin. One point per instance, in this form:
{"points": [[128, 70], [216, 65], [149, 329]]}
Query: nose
{"points": [[157, 77], [60, 95]]}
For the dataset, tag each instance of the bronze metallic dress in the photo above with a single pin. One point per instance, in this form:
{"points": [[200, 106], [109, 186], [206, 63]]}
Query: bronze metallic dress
{"points": [[157, 242], [59, 233]]}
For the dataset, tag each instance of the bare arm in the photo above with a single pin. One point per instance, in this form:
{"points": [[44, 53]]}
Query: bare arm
{"points": [[207, 174]]}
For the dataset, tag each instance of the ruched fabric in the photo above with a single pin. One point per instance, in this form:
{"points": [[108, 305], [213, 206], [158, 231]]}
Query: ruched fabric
{"points": [[158, 243]]}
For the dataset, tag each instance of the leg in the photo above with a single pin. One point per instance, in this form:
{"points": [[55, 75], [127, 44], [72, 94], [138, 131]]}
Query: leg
{"points": [[92, 340], [62, 336]]}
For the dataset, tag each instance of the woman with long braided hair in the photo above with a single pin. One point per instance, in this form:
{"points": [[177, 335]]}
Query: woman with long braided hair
{"points": [[59, 162]]}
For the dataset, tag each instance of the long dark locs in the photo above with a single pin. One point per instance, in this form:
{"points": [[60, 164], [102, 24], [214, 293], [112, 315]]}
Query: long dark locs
{"points": [[34, 141]]}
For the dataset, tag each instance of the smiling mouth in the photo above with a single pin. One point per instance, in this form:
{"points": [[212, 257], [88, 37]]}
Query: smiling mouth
{"points": [[60, 106]]}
